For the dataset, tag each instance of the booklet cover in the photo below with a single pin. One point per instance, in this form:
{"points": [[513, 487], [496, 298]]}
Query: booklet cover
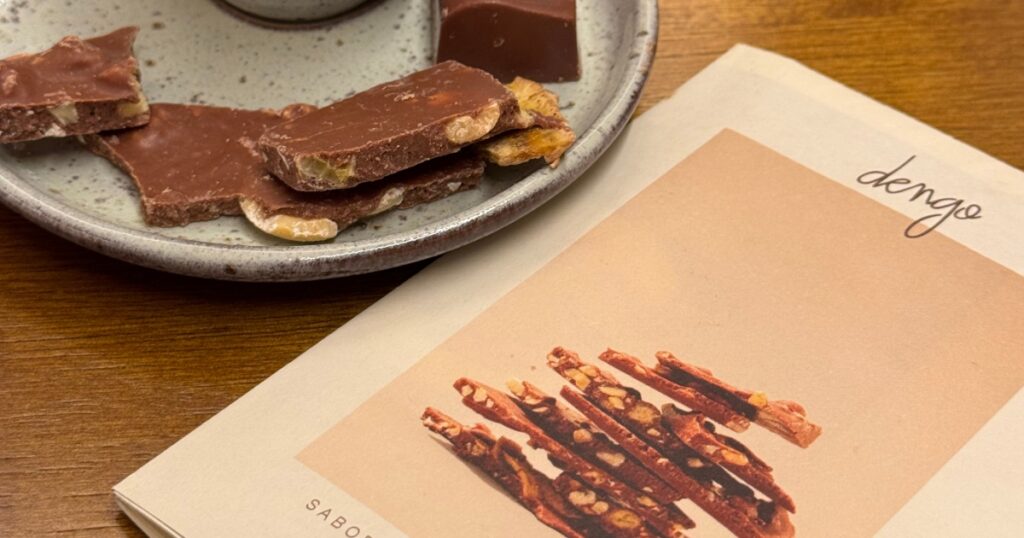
{"points": [[775, 308]]}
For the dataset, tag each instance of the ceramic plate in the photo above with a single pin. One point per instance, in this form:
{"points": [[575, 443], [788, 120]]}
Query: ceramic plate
{"points": [[194, 51]]}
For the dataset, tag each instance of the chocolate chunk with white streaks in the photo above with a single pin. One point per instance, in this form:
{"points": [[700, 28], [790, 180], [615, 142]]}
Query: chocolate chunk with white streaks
{"points": [[193, 163], [529, 38], [78, 86], [391, 127]]}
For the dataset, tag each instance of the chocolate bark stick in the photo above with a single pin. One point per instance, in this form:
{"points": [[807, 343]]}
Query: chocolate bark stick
{"points": [[688, 396], [548, 139], [503, 460], [785, 418], [580, 436], [636, 425], [193, 163], [699, 435], [498, 407], [617, 521], [390, 128], [675, 516], [77, 86], [530, 38]]}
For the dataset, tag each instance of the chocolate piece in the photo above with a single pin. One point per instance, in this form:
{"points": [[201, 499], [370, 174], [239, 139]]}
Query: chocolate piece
{"points": [[580, 436], [75, 87], [688, 396], [617, 521], [391, 127], [193, 163], [495, 405], [548, 139], [636, 425], [785, 418], [503, 460], [694, 432], [535, 39]]}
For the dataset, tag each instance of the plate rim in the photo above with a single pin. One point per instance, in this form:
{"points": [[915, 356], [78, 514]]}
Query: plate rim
{"points": [[285, 263]]}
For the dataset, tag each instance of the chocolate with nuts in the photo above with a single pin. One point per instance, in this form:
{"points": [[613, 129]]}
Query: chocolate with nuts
{"points": [[528, 38], [78, 86], [688, 396], [580, 436], [390, 128], [549, 138], [785, 418], [636, 425], [193, 163], [495, 405], [503, 460], [699, 435], [616, 520]]}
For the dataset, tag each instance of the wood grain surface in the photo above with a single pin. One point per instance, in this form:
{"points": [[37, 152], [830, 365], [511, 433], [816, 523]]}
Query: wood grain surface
{"points": [[103, 365]]}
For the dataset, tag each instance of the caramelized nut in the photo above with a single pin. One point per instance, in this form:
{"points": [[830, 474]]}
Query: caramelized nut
{"points": [[613, 391], [287, 226], [582, 436], [578, 378], [583, 497], [466, 129], [644, 413], [516, 387], [614, 459], [734, 457], [624, 519], [758, 400]]}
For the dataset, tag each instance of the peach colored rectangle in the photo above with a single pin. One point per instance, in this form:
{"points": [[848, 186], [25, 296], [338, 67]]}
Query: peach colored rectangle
{"points": [[742, 261]]}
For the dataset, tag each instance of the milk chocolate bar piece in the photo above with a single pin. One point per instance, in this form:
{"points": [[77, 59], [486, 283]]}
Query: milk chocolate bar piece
{"points": [[688, 396], [580, 436], [194, 163], [503, 460], [785, 418], [496, 406], [636, 425], [549, 138], [529, 38], [390, 128], [616, 520], [77, 86], [698, 434]]}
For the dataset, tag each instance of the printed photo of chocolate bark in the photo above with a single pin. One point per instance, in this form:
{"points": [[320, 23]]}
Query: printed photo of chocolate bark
{"points": [[626, 466]]}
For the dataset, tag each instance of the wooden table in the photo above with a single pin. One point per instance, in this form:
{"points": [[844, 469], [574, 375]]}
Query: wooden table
{"points": [[103, 365]]}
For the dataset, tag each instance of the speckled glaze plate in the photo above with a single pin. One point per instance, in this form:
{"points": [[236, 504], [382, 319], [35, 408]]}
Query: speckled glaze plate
{"points": [[194, 51]]}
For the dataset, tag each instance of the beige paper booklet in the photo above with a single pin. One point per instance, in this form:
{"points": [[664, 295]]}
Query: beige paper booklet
{"points": [[774, 308]]}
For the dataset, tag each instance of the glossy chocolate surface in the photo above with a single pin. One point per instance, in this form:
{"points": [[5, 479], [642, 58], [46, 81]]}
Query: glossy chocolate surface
{"points": [[535, 39], [196, 162], [390, 127]]}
